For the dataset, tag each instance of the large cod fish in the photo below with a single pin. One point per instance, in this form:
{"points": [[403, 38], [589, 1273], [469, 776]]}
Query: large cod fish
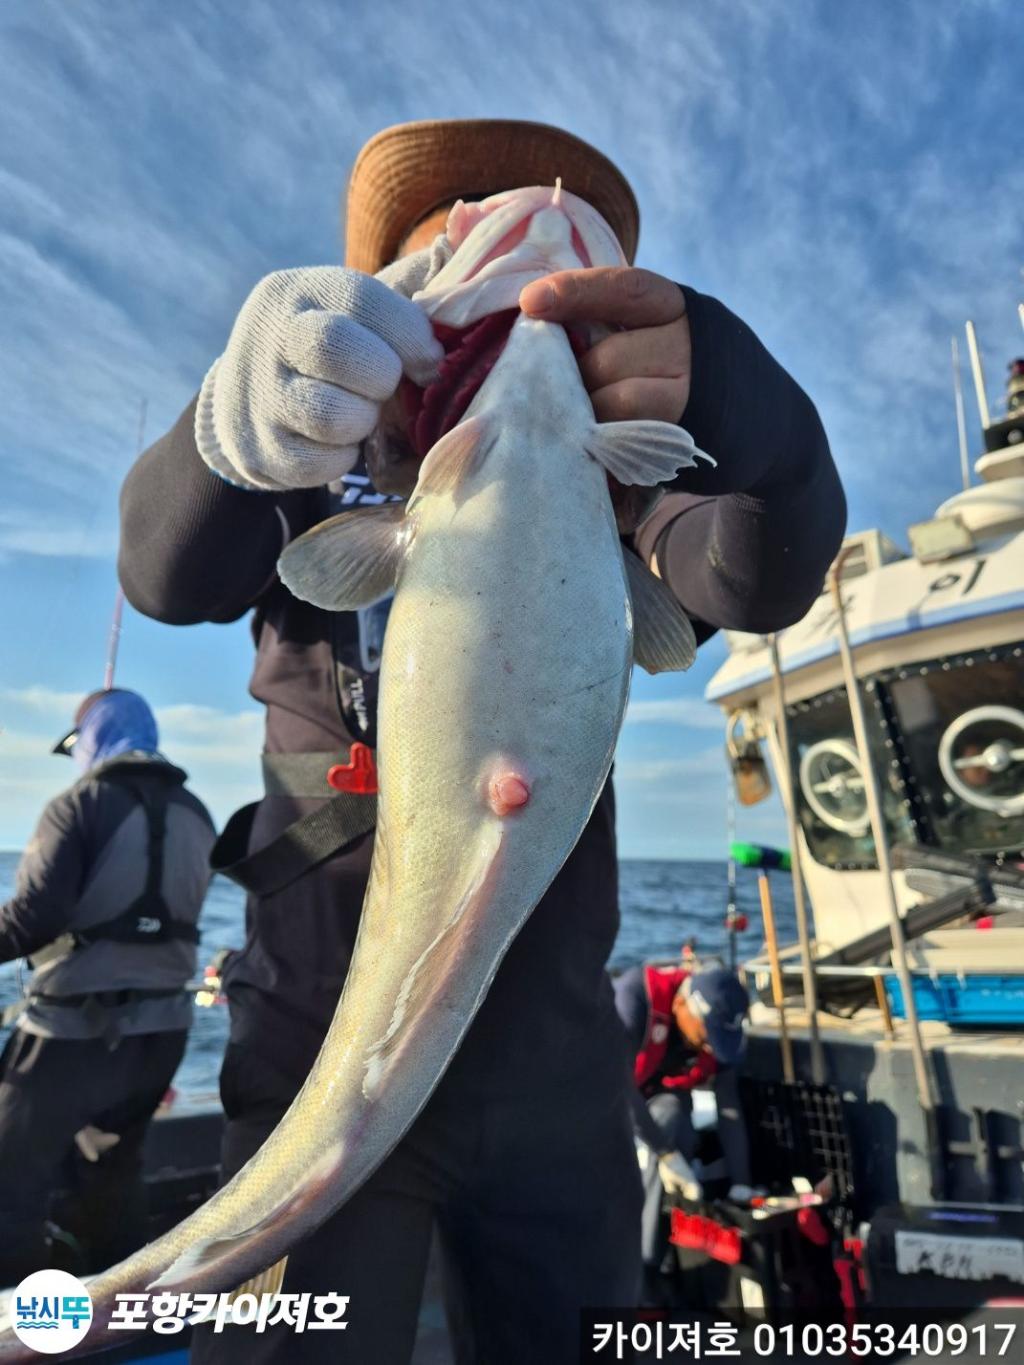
{"points": [[504, 678]]}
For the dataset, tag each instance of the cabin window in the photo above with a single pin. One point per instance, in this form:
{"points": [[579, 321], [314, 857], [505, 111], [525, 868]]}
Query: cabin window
{"points": [[831, 799], [961, 725]]}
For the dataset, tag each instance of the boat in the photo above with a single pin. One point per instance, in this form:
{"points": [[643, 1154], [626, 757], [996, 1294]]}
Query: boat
{"points": [[886, 1047]]}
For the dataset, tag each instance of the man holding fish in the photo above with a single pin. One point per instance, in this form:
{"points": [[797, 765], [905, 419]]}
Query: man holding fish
{"points": [[474, 1078]]}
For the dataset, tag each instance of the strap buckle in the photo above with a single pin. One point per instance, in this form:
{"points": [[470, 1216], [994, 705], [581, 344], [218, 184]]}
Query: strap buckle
{"points": [[358, 776]]}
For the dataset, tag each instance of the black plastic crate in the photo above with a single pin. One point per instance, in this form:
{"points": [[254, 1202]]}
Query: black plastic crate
{"points": [[799, 1130]]}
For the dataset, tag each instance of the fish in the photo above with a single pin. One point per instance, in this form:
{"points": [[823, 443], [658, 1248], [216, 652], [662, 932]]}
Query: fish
{"points": [[516, 620]]}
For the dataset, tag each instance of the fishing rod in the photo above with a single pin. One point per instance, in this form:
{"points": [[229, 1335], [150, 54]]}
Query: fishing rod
{"points": [[114, 639]]}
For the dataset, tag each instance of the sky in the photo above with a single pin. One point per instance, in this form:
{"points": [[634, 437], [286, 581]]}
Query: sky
{"points": [[843, 176]]}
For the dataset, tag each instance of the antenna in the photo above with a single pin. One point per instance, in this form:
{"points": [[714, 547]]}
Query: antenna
{"points": [[1020, 313], [979, 378], [961, 428], [115, 623]]}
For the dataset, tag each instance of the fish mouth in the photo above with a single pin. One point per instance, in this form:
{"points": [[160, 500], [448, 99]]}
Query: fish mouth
{"points": [[470, 355], [515, 237]]}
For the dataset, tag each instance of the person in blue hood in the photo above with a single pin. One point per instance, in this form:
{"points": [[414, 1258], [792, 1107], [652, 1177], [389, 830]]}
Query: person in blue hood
{"points": [[108, 724], [105, 907]]}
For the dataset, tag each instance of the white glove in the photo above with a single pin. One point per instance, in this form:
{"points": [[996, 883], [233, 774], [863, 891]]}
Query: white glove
{"points": [[410, 273], [92, 1142], [678, 1178], [311, 357]]}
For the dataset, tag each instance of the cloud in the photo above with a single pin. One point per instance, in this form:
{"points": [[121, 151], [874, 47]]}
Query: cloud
{"points": [[838, 175], [691, 711], [709, 763], [220, 750], [186, 722], [844, 237], [42, 700], [193, 734]]}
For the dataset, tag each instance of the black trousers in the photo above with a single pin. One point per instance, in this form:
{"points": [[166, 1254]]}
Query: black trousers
{"points": [[49, 1089], [537, 1205]]}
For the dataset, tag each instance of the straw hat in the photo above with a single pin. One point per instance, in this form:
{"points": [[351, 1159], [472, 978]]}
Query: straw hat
{"points": [[405, 172]]}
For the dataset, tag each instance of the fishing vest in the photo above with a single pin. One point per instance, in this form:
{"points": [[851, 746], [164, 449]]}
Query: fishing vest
{"points": [[101, 949], [660, 985]]}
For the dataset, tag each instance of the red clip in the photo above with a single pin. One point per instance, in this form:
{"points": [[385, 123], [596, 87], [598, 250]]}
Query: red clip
{"points": [[358, 775]]}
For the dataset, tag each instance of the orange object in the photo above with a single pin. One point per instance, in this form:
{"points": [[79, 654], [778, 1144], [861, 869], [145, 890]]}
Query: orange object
{"points": [[358, 776]]}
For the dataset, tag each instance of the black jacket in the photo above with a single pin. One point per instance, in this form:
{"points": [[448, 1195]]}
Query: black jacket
{"points": [[87, 862]]}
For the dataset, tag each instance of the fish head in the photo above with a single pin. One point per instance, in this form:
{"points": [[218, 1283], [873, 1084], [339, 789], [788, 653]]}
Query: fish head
{"points": [[504, 242], [499, 245]]}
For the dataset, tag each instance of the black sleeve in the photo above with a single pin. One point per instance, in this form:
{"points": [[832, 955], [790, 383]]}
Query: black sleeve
{"points": [[745, 545], [632, 1005], [51, 875], [193, 547]]}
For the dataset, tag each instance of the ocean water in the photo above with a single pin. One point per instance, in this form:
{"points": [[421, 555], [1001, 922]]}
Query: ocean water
{"points": [[662, 905]]}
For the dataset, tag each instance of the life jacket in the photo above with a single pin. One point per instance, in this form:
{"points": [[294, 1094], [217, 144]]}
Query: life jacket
{"points": [[661, 985], [147, 921]]}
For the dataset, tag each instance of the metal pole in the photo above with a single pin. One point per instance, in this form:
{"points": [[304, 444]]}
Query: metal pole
{"points": [[961, 426], [778, 992], [871, 792], [979, 378], [800, 904], [883, 1008]]}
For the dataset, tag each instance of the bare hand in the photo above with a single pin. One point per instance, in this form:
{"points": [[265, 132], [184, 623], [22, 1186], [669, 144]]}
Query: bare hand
{"points": [[642, 371]]}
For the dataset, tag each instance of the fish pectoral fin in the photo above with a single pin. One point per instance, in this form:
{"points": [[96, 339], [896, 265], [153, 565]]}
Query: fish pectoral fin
{"points": [[198, 1258], [644, 452], [451, 461], [268, 1281], [348, 561], [663, 638]]}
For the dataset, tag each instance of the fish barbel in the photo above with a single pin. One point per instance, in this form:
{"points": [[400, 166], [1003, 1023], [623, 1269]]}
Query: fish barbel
{"points": [[504, 678]]}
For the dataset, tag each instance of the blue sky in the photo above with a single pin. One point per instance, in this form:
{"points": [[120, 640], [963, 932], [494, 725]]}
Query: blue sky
{"points": [[844, 176]]}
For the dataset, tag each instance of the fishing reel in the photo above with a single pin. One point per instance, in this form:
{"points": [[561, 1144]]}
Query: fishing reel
{"points": [[981, 757], [833, 786]]}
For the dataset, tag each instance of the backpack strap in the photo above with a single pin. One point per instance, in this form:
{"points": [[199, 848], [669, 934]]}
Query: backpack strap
{"points": [[148, 919], [348, 778]]}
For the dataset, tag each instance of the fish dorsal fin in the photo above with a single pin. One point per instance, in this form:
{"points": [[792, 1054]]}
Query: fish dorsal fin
{"points": [[663, 639], [643, 451], [450, 462], [348, 561]]}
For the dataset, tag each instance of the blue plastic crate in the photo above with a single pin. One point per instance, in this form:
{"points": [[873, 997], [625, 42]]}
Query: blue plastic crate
{"points": [[978, 998]]}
